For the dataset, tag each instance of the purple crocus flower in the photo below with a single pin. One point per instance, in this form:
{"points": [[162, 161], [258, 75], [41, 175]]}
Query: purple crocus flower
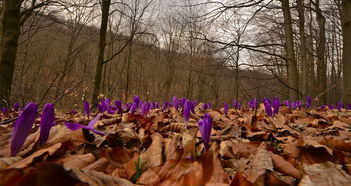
{"points": [[340, 106], [188, 106], [276, 105], [118, 104], [157, 105], [16, 106], [209, 105], [205, 126], [298, 104], [152, 105], [73, 112], [309, 100], [253, 103], [76, 126], [331, 107], [236, 104], [87, 108], [4, 110], [46, 122], [175, 102], [136, 100], [322, 106], [133, 108], [349, 106], [226, 108], [145, 109], [268, 107], [195, 102], [22, 127], [182, 101], [287, 103], [100, 108], [205, 106], [308, 103]]}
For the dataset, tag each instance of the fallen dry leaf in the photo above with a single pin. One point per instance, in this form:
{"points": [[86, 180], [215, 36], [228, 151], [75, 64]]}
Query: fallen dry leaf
{"points": [[324, 174], [152, 157], [258, 164]]}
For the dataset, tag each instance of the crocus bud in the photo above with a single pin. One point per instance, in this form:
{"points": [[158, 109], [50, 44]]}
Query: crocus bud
{"points": [[87, 108], [46, 122], [22, 127], [205, 126]]}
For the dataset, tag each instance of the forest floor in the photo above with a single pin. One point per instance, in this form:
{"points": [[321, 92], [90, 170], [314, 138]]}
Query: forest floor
{"points": [[295, 147]]}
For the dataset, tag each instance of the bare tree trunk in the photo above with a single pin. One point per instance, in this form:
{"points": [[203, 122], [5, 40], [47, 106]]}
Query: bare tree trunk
{"points": [[105, 9], [346, 56], [290, 51], [321, 64], [304, 61], [9, 36]]}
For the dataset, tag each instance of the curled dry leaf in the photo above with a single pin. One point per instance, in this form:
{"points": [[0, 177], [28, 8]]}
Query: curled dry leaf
{"points": [[244, 149], [174, 127], [5, 162], [40, 153], [188, 142], [77, 161], [99, 165], [283, 166], [218, 175], [94, 178], [258, 164], [152, 157], [324, 174], [118, 156], [171, 148]]}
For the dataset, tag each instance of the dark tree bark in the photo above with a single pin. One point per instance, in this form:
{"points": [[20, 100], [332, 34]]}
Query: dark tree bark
{"points": [[105, 9], [346, 56], [303, 49], [290, 52], [9, 36], [321, 63]]}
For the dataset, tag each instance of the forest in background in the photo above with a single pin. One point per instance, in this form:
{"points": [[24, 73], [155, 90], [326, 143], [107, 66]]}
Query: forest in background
{"points": [[207, 50]]}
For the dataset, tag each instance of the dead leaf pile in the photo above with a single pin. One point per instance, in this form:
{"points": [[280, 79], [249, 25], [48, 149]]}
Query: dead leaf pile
{"points": [[295, 147]]}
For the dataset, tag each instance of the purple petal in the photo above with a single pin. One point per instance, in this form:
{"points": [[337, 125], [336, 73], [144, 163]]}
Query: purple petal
{"points": [[118, 104], [205, 126], [46, 122], [276, 105], [22, 127], [205, 106], [188, 105], [76, 126], [136, 100], [268, 107], [73, 112], [15, 106], [175, 102], [87, 108], [100, 107], [195, 102], [226, 108], [92, 122], [309, 100], [4, 110], [133, 108]]}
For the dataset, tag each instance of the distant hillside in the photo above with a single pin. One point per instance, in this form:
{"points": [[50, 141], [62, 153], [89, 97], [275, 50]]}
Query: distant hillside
{"points": [[55, 54]]}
